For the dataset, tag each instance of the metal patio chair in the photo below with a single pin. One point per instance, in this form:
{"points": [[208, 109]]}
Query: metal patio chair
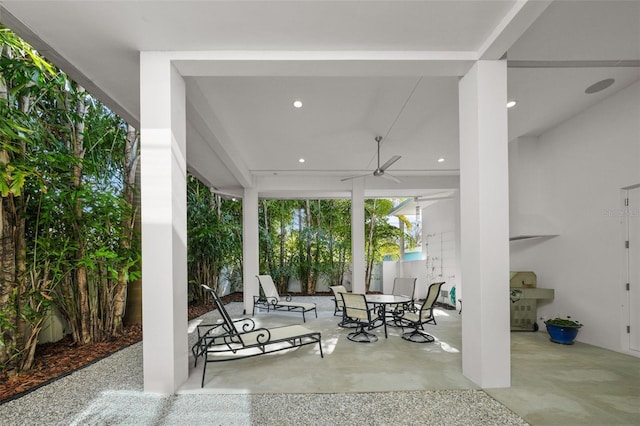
{"points": [[361, 315], [417, 320]]}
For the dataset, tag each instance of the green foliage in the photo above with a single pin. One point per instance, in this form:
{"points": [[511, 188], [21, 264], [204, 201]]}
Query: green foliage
{"points": [[67, 206], [214, 243], [25, 54], [311, 239], [303, 239], [24, 78], [563, 322]]}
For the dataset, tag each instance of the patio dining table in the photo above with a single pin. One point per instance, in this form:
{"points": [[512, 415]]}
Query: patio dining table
{"points": [[382, 301]]}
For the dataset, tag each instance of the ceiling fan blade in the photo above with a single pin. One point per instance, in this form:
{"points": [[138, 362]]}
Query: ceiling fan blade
{"points": [[390, 177], [389, 162], [354, 177]]}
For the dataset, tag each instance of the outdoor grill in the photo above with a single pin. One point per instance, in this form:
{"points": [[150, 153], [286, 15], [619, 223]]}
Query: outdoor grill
{"points": [[524, 296]]}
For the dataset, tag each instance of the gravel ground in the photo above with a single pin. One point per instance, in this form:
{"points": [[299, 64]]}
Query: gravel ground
{"points": [[110, 392]]}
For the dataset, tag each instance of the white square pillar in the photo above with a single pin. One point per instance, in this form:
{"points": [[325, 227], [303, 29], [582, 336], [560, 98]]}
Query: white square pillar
{"points": [[357, 237], [484, 222], [164, 224], [250, 247]]}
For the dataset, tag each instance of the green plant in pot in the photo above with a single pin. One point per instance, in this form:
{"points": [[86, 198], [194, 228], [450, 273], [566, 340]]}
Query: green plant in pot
{"points": [[563, 330]]}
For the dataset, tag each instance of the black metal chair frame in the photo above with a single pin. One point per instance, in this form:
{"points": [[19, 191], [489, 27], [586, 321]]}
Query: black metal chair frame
{"points": [[362, 317], [337, 299], [230, 339], [276, 303], [338, 309], [417, 320]]}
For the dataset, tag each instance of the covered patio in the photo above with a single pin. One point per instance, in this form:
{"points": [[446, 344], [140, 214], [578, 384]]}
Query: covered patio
{"points": [[213, 97]]}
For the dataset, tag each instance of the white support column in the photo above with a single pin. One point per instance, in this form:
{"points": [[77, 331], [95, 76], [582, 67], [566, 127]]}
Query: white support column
{"points": [[164, 224], [250, 247], [401, 225], [459, 280], [484, 217], [357, 236]]}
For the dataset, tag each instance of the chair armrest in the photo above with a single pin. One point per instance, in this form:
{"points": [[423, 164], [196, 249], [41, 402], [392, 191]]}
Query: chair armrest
{"points": [[248, 339], [262, 335], [272, 300], [246, 324], [399, 311]]}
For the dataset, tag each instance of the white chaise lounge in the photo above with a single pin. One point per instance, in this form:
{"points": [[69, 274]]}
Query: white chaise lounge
{"points": [[271, 300]]}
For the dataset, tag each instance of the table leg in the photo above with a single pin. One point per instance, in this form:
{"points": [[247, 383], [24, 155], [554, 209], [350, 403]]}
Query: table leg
{"points": [[382, 314]]}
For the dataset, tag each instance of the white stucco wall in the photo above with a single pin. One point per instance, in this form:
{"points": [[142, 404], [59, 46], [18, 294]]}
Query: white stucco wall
{"points": [[582, 165], [440, 231], [417, 269]]}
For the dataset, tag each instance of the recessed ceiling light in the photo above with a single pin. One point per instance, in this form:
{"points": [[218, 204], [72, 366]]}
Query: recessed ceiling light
{"points": [[297, 104], [301, 160], [440, 160], [511, 104], [600, 85]]}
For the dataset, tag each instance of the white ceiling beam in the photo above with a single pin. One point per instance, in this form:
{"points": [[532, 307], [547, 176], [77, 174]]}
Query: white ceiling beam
{"points": [[322, 186], [511, 28], [210, 128], [322, 63], [202, 161]]}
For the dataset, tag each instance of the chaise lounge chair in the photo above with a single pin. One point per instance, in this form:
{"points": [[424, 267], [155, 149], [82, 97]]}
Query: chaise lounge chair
{"points": [[272, 300], [235, 339]]}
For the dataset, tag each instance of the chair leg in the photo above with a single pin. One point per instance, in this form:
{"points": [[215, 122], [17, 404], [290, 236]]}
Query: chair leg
{"points": [[204, 371], [346, 323], [361, 336], [418, 335]]}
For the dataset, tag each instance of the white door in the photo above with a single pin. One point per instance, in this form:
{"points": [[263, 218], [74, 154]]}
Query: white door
{"points": [[633, 237]]}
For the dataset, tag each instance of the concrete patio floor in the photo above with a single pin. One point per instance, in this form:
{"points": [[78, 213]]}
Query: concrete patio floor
{"points": [[391, 382], [551, 383]]}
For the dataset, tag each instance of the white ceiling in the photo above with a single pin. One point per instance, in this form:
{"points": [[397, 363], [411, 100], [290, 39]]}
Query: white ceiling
{"points": [[397, 77]]}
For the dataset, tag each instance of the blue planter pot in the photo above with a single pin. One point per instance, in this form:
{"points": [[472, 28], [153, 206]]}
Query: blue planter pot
{"points": [[562, 334]]}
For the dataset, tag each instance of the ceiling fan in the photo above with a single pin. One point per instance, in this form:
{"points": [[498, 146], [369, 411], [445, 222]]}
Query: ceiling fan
{"points": [[380, 170]]}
